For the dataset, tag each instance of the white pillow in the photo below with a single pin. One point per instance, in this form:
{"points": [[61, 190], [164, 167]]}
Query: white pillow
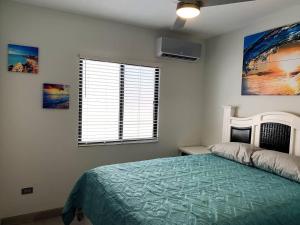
{"points": [[240, 152], [279, 163]]}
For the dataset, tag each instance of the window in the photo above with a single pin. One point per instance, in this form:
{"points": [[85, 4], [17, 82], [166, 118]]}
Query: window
{"points": [[117, 103]]}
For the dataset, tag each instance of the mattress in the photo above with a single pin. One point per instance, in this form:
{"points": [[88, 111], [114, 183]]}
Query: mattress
{"points": [[189, 190]]}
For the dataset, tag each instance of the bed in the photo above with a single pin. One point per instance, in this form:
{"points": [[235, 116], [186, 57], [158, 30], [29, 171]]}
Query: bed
{"points": [[198, 189]]}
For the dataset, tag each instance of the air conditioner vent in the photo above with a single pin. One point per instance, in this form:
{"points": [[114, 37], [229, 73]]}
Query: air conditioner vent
{"points": [[178, 57]]}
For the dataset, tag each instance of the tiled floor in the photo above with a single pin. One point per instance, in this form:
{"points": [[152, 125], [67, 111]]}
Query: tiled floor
{"points": [[57, 221]]}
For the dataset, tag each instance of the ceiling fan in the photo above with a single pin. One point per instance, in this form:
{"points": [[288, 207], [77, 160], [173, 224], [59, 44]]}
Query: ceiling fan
{"points": [[187, 9]]}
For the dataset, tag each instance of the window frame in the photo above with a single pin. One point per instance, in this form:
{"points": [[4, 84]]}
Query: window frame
{"points": [[156, 104]]}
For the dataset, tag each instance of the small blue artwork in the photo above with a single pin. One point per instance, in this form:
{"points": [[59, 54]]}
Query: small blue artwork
{"points": [[55, 96], [23, 59]]}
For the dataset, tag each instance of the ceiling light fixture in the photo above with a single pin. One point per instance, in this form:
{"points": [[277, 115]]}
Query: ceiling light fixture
{"points": [[188, 10]]}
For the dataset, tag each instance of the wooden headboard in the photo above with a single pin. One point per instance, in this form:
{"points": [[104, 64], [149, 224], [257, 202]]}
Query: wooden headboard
{"points": [[277, 131]]}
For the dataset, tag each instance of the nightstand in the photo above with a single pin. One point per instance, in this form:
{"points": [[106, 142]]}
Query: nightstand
{"points": [[194, 150]]}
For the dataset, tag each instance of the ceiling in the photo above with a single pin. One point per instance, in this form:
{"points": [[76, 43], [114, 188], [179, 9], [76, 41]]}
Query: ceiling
{"points": [[160, 14]]}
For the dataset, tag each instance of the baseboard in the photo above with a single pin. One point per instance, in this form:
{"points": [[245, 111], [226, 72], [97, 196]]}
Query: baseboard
{"points": [[31, 217]]}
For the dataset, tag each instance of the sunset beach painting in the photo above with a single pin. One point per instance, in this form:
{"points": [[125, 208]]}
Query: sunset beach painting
{"points": [[271, 63], [55, 96], [23, 59]]}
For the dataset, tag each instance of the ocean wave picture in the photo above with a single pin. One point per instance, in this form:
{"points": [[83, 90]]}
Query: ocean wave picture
{"points": [[271, 63], [23, 59], [55, 96]]}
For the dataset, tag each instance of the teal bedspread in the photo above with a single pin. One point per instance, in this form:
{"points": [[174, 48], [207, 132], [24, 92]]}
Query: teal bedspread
{"points": [[190, 190]]}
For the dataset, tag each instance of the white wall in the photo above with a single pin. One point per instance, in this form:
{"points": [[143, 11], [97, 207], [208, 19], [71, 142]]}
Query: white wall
{"points": [[223, 76], [39, 147]]}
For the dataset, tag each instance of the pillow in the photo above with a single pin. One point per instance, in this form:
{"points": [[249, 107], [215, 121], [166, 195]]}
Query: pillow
{"points": [[240, 152], [279, 163]]}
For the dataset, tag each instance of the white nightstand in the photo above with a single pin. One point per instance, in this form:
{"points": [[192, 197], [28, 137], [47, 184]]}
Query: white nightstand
{"points": [[194, 150]]}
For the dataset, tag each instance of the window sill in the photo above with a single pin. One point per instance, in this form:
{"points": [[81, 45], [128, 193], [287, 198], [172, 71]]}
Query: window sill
{"points": [[117, 143]]}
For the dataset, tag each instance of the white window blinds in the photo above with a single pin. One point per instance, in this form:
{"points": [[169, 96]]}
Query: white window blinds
{"points": [[117, 102]]}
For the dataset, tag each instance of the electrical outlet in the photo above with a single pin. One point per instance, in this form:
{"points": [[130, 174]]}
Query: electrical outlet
{"points": [[27, 190]]}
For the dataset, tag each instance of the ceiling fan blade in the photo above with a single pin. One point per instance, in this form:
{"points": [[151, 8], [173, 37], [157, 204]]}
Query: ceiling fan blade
{"points": [[179, 23], [206, 3]]}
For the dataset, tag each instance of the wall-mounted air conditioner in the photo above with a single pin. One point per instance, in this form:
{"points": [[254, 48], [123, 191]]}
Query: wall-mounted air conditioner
{"points": [[179, 49]]}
